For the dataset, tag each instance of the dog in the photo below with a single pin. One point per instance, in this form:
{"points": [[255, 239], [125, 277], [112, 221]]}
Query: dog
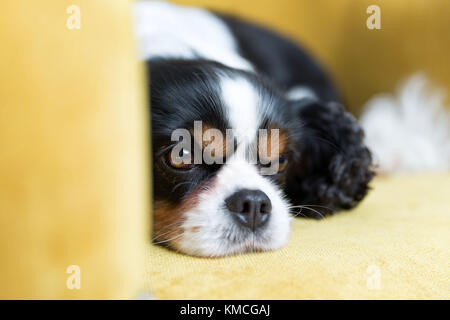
{"points": [[211, 74]]}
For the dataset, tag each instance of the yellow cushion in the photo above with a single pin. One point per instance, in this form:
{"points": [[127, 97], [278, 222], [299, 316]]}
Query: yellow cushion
{"points": [[73, 137], [396, 244]]}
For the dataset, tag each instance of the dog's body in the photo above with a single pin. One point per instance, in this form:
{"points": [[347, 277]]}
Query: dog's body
{"points": [[229, 74]]}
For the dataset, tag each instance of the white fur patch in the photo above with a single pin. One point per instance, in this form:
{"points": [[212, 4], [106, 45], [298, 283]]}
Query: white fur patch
{"points": [[241, 101], [300, 92], [409, 132], [173, 31]]}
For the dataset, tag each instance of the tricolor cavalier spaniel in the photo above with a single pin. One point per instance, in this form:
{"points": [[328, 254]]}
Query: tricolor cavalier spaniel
{"points": [[256, 104]]}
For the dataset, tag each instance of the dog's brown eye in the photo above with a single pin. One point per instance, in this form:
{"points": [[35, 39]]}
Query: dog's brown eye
{"points": [[282, 163], [180, 159]]}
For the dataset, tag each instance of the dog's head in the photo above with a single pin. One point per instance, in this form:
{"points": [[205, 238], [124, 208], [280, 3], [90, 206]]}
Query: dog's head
{"points": [[232, 155]]}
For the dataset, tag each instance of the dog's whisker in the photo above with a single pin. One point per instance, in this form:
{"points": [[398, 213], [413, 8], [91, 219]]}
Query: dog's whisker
{"points": [[306, 207], [167, 240], [311, 205], [316, 211], [300, 213], [170, 225], [159, 235]]}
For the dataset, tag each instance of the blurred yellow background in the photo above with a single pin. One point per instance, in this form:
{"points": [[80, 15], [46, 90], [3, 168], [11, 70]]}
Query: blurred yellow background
{"points": [[414, 36], [74, 140]]}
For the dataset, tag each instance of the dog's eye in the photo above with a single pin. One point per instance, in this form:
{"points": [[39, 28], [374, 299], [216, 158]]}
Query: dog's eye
{"points": [[282, 163], [180, 159]]}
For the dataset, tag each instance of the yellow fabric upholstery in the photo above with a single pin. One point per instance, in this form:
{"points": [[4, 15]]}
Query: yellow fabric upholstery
{"points": [[363, 62], [395, 245], [73, 136]]}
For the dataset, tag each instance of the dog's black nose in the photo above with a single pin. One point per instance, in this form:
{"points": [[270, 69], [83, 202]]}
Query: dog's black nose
{"points": [[250, 208]]}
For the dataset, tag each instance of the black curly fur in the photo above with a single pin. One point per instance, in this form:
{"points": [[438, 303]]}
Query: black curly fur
{"points": [[334, 167]]}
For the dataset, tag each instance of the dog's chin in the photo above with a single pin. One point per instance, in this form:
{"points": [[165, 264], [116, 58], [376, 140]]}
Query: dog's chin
{"points": [[229, 242], [226, 249]]}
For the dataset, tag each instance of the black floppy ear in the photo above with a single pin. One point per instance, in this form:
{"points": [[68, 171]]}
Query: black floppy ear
{"points": [[333, 168]]}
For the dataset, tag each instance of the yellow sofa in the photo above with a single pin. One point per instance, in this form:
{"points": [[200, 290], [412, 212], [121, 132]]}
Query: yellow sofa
{"points": [[74, 174]]}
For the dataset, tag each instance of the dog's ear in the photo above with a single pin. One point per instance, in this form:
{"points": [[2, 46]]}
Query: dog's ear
{"points": [[333, 167]]}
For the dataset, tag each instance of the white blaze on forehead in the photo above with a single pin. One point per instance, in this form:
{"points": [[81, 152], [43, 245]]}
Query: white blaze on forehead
{"points": [[241, 100]]}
